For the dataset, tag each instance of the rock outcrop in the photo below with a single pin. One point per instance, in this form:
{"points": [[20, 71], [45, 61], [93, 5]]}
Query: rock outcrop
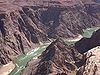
{"points": [[18, 35], [22, 27], [62, 59], [58, 59], [92, 66]]}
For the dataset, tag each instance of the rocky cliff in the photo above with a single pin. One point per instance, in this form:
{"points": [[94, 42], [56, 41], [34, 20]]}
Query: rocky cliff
{"points": [[62, 59], [18, 35], [91, 48], [92, 66], [23, 27], [57, 59], [86, 44]]}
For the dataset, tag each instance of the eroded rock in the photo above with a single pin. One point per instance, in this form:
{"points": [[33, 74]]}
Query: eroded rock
{"points": [[58, 59], [92, 66]]}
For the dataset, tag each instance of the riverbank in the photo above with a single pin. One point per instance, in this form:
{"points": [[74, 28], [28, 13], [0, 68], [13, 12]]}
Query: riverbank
{"points": [[75, 39], [6, 69], [22, 60], [35, 52]]}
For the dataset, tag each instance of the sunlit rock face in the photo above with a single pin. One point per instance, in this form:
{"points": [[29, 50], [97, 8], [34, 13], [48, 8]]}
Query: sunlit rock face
{"points": [[92, 66]]}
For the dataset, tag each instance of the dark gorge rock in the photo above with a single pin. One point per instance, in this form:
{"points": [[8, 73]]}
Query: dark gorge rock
{"points": [[86, 44], [58, 59], [22, 26]]}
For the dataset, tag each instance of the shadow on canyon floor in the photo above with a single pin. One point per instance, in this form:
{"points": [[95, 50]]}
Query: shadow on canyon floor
{"points": [[86, 44]]}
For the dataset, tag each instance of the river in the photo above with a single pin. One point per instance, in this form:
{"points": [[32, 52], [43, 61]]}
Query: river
{"points": [[22, 60], [89, 31]]}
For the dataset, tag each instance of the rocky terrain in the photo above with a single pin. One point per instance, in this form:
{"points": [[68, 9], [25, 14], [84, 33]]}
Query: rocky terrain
{"points": [[58, 59], [92, 65], [86, 44], [23, 26], [6, 69], [62, 59]]}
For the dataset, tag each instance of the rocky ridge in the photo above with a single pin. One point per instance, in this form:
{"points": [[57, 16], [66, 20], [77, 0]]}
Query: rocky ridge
{"points": [[62, 59], [57, 59], [92, 66], [23, 27]]}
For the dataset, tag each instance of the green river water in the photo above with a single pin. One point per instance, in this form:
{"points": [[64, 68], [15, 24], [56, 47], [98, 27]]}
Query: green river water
{"points": [[22, 60], [89, 31]]}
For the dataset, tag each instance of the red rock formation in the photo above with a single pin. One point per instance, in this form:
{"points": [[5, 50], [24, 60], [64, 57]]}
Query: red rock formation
{"points": [[61, 59], [21, 28], [58, 59], [92, 66]]}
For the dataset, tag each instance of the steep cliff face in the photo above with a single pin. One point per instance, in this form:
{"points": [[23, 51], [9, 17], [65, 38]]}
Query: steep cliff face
{"points": [[69, 21], [18, 35], [86, 44], [92, 66], [21, 28], [62, 59], [58, 59]]}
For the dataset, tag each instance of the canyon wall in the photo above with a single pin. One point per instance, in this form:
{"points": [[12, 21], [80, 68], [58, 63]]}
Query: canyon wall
{"points": [[22, 28]]}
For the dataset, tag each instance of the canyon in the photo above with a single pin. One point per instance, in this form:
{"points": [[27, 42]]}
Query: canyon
{"points": [[25, 24]]}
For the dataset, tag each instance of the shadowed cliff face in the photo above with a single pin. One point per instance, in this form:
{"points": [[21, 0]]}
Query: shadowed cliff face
{"points": [[86, 44], [67, 22], [98, 1], [50, 18], [22, 29], [2, 30]]}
